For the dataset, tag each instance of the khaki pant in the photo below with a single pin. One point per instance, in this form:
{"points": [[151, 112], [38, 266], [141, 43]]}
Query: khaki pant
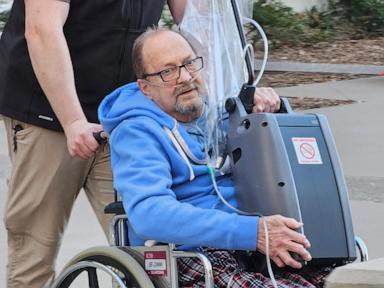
{"points": [[42, 188]]}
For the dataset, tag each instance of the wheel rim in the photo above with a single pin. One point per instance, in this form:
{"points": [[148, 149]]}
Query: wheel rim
{"points": [[93, 266]]}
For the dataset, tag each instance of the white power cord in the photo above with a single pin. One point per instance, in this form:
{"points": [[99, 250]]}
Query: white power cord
{"points": [[269, 266]]}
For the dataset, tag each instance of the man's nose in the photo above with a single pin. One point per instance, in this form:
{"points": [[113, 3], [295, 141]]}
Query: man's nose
{"points": [[185, 75]]}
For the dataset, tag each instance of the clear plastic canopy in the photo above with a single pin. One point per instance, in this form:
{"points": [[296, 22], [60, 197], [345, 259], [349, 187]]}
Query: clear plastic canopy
{"points": [[211, 28]]}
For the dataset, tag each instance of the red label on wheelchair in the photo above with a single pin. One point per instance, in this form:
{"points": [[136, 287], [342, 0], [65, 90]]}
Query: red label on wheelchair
{"points": [[155, 263]]}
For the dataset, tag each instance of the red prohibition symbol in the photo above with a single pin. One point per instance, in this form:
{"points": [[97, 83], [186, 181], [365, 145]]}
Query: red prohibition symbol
{"points": [[307, 151]]}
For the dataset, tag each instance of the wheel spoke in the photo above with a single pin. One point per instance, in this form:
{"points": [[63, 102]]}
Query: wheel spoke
{"points": [[112, 265], [92, 278]]}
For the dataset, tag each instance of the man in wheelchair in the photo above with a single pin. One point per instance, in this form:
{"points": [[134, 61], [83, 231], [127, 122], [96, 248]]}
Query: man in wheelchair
{"points": [[159, 166]]}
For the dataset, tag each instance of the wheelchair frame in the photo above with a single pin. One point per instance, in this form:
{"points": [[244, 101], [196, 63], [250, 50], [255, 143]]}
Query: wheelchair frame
{"points": [[121, 240], [120, 256]]}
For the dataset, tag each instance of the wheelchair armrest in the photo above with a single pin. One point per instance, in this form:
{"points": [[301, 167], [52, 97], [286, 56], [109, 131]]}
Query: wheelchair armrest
{"points": [[114, 208]]}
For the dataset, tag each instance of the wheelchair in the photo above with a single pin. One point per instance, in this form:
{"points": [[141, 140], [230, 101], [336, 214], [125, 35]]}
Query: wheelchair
{"points": [[122, 266]]}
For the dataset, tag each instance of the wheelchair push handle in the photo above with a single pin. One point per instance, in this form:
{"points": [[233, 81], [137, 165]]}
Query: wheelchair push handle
{"points": [[101, 137]]}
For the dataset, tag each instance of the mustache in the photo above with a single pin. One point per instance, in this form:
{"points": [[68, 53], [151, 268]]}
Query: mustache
{"points": [[186, 87]]}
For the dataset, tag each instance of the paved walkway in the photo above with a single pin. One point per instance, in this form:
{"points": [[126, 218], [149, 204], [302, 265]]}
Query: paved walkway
{"points": [[359, 135], [290, 66]]}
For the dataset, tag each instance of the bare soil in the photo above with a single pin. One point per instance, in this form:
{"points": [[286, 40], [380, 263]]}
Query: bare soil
{"points": [[306, 103], [362, 51]]}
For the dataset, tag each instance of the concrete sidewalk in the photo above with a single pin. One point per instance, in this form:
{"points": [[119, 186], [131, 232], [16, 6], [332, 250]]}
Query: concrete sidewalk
{"points": [[290, 66], [359, 137]]}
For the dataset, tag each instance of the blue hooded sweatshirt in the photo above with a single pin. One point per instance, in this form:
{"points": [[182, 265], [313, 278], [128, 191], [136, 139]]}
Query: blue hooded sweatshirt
{"points": [[159, 170]]}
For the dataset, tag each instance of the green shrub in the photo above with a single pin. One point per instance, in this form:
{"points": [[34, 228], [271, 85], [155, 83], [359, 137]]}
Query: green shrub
{"points": [[284, 26], [3, 18], [166, 18], [368, 15], [332, 22], [343, 19]]}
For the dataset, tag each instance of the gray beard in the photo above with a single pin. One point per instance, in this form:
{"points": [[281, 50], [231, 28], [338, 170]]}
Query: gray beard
{"points": [[189, 109]]}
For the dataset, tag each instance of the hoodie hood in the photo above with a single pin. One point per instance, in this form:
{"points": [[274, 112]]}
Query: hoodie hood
{"points": [[127, 102]]}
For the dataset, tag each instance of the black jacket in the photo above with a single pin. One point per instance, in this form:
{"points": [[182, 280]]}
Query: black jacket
{"points": [[100, 35]]}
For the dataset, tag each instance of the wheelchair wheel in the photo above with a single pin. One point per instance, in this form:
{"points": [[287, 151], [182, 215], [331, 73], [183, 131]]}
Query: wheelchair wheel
{"points": [[103, 267]]}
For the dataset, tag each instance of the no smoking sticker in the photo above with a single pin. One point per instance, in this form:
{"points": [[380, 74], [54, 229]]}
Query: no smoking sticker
{"points": [[307, 151]]}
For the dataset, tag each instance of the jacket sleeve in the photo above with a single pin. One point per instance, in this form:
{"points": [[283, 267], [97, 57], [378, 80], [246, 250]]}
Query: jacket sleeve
{"points": [[142, 175]]}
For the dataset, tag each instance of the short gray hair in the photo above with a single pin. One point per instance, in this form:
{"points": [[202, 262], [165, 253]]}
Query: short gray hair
{"points": [[138, 64]]}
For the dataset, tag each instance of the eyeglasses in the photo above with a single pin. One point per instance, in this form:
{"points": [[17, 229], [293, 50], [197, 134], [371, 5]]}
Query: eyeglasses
{"points": [[173, 73]]}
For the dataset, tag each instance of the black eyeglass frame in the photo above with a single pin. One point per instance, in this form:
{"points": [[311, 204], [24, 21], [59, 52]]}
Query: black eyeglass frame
{"points": [[160, 73]]}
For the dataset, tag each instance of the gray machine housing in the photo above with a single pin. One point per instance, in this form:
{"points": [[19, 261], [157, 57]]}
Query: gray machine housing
{"points": [[270, 179]]}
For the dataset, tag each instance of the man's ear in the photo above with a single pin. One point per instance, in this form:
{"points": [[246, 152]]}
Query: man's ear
{"points": [[144, 87]]}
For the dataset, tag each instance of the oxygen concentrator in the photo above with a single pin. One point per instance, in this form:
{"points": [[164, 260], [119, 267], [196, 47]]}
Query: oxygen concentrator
{"points": [[282, 163], [286, 163]]}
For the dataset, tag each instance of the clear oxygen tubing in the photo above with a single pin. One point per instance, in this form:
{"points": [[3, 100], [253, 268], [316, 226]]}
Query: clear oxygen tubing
{"points": [[211, 172], [266, 51]]}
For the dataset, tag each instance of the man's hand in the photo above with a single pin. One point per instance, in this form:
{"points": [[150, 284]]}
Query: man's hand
{"points": [[283, 239], [265, 99], [80, 140]]}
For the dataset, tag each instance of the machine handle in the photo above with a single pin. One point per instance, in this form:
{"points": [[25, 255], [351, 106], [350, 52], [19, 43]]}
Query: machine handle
{"points": [[285, 107], [230, 104], [243, 40]]}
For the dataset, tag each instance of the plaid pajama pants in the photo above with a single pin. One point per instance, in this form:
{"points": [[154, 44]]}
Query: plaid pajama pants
{"points": [[228, 272]]}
